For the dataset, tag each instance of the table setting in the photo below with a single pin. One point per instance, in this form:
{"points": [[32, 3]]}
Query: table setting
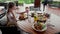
{"points": [[40, 20], [36, 22]]}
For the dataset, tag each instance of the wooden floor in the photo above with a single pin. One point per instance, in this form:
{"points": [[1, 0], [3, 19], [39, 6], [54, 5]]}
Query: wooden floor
{"points": [[54, 10]]}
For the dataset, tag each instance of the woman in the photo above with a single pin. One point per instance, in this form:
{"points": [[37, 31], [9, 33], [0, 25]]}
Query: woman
{"points": [[10, 14]]}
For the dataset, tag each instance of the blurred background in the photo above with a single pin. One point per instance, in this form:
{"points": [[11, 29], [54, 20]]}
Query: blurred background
{"points": [[4, 4]]}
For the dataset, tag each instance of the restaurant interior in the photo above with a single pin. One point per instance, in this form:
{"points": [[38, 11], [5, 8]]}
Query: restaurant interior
{"points": [[29, 16]]}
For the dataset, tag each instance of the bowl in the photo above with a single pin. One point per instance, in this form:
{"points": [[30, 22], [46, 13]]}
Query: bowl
{"points": [[44, 29]]}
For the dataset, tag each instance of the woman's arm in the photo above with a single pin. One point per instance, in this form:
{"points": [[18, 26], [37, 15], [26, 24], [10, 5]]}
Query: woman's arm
{"points": [[20, 13], [14, 16]]}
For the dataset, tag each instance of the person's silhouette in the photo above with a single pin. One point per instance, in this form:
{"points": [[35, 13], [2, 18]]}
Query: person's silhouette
{"points": [[44, 4]]}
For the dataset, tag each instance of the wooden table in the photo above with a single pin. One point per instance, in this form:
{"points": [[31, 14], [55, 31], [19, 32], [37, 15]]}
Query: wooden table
{"points": [[26, 26]]}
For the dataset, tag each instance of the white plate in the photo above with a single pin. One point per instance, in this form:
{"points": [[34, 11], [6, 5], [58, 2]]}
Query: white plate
{"points": [[40, 30]]}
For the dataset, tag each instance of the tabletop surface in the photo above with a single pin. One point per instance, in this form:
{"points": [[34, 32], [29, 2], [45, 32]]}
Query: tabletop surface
{"points": [[26, 25]]}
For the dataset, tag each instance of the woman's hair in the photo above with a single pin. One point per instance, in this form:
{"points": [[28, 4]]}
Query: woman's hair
{"points": [[10, 5]]}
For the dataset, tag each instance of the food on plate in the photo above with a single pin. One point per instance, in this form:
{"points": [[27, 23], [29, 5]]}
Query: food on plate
{"points": [[39, 26], [23, 16]]}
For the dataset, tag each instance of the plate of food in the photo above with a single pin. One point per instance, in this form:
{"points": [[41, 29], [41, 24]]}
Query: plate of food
{"points": [[39, 27]]}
